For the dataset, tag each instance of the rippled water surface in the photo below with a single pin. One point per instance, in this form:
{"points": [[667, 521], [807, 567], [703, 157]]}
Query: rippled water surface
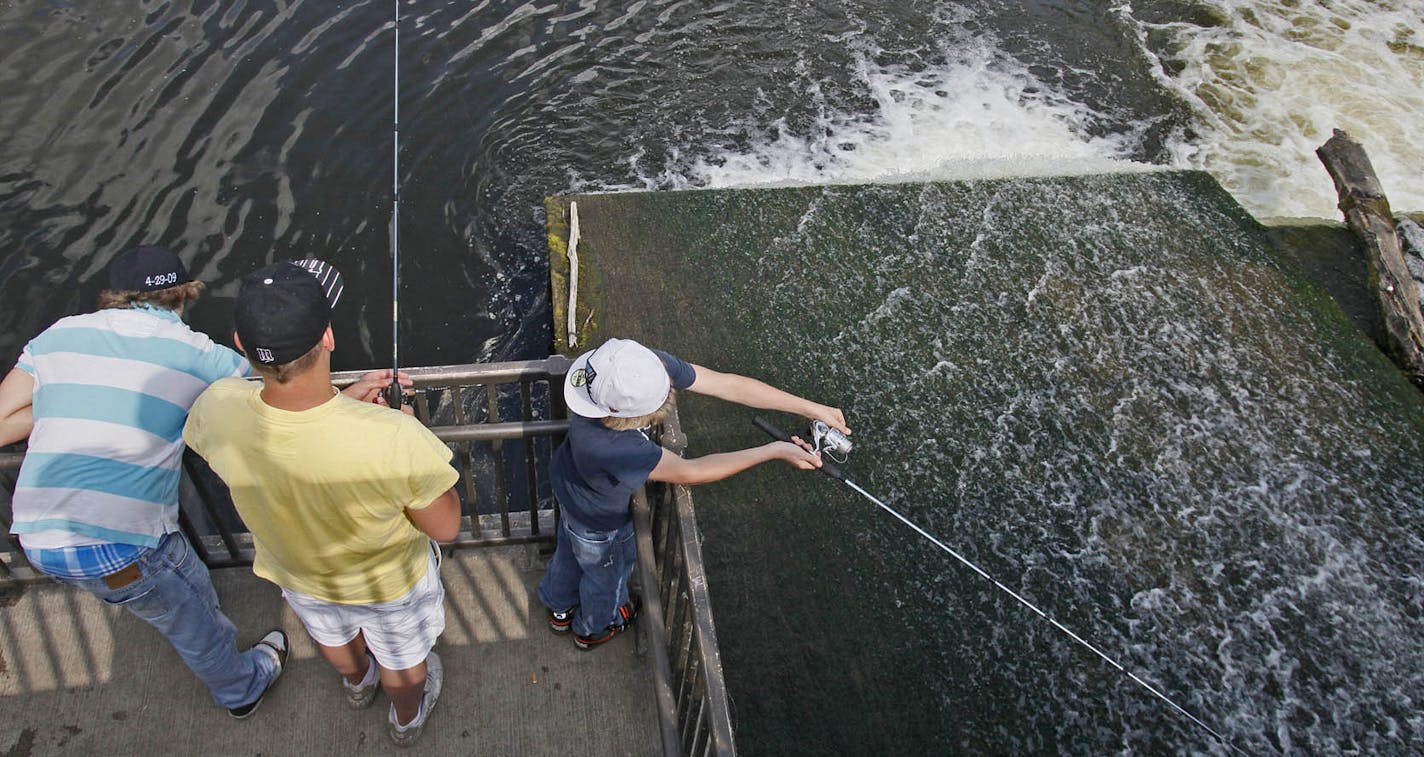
{"points": [[1103, 390], [245, 132]]}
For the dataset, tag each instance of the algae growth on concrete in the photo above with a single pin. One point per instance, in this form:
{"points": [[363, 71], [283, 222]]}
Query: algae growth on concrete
{"points": [[1107, 393]]}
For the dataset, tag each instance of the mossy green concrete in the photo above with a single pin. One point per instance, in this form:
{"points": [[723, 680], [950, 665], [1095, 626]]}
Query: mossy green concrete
{"points": [[1110, 392], [556, 221], [1331, 255], [559, 223]]}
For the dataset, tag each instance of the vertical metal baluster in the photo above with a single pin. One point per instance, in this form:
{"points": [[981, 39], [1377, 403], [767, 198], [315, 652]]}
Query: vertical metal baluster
{"points": [[497, 447], [527, 405], [557, 410], [208, 496], [185, 524], [467, 474]]}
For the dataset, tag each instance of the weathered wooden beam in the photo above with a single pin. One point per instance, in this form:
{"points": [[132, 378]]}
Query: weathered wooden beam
{"points": [[1367, 213]]}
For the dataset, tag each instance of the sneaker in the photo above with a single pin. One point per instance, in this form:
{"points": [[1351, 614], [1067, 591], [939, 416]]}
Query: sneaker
{"points": [[561, 622], [406, 735], [627, 613], [275, 644], [359, 697]]}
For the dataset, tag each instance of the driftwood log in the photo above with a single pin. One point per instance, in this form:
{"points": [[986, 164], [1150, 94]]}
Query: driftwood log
{"points": [[1367, 213]]}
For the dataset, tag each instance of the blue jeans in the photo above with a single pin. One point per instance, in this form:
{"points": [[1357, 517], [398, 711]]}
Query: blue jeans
{"points": [[590, 569], [176, 596]]}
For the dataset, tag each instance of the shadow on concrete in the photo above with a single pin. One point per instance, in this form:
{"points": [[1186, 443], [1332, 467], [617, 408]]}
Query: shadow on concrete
{"points": [[77, 676]]}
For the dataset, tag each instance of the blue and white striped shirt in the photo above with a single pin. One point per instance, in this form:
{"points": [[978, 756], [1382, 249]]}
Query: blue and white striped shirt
{"points": [[112, 391]]}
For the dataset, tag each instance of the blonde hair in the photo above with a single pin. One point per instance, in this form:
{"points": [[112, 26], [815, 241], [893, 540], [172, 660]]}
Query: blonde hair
{"points": [[171, 298], [287, 371], [643, 421]]}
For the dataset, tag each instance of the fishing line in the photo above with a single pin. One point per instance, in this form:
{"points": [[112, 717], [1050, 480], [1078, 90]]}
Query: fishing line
{"points": [[393, 392], [835, 472]]}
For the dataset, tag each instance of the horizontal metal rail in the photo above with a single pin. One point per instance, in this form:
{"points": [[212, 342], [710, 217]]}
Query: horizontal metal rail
{"points": [[474, 373], [501, 420], [486, 432]]}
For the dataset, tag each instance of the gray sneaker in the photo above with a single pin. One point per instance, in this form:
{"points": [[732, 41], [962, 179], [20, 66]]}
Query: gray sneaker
{"points": [[361, 697], [407, 735], [275, 644]]}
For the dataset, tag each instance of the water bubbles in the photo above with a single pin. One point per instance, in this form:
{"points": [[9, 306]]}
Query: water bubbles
{"points": [[1270, 80], [976, 112]]}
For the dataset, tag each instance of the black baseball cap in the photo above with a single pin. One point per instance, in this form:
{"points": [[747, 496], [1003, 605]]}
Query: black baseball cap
{"points": [[284, 308], [146, 269]]}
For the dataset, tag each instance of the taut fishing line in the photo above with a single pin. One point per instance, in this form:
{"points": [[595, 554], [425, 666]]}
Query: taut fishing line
{"points": [[828, 440]]}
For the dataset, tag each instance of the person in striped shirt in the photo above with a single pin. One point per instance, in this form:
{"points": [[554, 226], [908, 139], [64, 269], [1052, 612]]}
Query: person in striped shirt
{"points": [[103, 398]]}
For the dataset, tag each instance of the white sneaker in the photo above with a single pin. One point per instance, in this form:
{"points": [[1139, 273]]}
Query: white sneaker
{"points": [[361, 696], [406, 735]]}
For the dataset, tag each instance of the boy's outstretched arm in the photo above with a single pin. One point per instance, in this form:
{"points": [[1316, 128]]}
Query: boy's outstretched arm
{"points": [[744, 390], [715, 467]]}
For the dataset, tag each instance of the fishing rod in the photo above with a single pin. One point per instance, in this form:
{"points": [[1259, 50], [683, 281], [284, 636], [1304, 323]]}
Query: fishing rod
{"points": [[393, 392], [828, 440]]}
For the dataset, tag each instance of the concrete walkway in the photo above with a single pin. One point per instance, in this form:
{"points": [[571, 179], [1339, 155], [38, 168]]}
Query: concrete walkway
{"points": [[78, 677]]}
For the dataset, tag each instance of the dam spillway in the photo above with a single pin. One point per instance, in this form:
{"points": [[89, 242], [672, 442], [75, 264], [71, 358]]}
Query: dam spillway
{"points": [[1106, 390]]}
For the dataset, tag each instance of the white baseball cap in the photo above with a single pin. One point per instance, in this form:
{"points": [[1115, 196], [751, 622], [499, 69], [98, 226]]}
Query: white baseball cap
{"points": [[621, 378]]}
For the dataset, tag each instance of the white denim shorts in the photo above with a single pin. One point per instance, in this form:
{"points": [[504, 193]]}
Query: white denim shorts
{"points": [[400, 633]]}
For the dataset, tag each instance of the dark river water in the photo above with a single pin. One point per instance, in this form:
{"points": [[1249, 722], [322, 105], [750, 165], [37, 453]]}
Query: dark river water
{"points": [[244, 132]]}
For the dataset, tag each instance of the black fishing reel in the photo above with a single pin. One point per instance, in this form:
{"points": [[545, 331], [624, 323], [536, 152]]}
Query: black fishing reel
{"points": [[830, 469], [393, 394]]}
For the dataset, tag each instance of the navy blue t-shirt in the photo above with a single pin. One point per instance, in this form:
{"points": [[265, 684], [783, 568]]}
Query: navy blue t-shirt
{"points": [[596, 470]]}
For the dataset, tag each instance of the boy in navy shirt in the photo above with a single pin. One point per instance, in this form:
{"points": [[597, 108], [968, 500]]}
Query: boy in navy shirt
{"points": [[617, 391]]}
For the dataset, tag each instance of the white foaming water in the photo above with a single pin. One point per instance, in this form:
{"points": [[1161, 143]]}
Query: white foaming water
{"points": [[1268, 82], [979, 114], [1272, 78]]}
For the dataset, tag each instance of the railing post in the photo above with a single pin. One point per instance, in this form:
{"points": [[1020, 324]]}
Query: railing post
{"points": [[655, 626], [718, 710], [691, 691]]}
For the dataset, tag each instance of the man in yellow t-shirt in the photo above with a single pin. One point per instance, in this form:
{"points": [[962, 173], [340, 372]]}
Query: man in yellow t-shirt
{"points": [[342, 494]]}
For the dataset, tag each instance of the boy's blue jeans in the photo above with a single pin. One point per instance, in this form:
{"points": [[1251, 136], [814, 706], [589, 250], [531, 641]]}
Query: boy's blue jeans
{"points": [[589, 569], [176, 596]]}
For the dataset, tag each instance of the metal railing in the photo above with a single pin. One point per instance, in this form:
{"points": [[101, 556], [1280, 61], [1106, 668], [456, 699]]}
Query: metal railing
{"points": [[503, 421], [692, 694]]}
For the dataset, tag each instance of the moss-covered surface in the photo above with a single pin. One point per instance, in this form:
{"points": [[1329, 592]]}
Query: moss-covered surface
{"points": [[1329, 254], [587, 327], [1112, 393]]}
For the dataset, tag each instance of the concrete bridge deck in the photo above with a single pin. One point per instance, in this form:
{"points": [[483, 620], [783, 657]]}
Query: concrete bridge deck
{"points": [[77, 677]]}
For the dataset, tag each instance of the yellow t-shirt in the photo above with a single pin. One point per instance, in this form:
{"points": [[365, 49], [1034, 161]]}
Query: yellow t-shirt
{"points": [[324, 491]]}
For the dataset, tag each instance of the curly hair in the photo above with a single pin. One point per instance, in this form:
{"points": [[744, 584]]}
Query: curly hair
{"points": [[172, 298], [643, 421]]}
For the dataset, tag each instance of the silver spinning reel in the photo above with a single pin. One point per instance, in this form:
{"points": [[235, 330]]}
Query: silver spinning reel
{"points": [[829, 441]]}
